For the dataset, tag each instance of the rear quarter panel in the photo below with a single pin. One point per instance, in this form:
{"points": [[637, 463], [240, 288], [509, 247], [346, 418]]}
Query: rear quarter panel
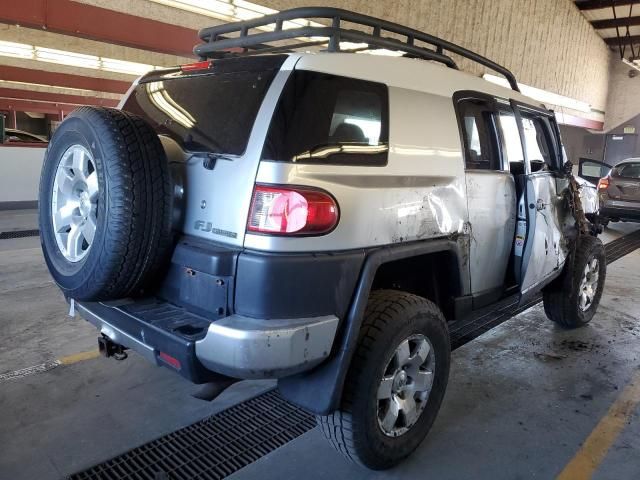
{"points": [[419, 194]]}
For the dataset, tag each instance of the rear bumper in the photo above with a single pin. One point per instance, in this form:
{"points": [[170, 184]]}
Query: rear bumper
{"points": [[245, 347], [235, 346], [620, 209]]}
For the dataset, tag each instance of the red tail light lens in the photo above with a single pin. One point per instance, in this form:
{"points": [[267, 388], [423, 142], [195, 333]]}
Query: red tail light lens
{"points": [[292, 211], [603, 184], [192, 67]]}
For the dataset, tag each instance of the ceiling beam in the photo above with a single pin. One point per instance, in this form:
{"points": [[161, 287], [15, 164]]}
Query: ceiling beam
{"points": [[37, 107], [613, 41], [55, 79], [14, 93], [95, 23], [616, 22], [597, 4]]}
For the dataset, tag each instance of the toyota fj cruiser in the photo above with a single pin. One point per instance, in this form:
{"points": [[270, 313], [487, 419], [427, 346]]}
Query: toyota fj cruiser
{"points": [[317, 217]]}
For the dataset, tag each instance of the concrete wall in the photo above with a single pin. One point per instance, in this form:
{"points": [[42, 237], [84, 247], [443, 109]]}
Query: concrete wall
{"points": [[623, 102], [547, 43], [20, 173]]}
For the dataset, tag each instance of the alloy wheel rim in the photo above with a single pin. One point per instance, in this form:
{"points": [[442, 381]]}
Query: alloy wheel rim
{"points": [[74, 203], [589, 284], [405, 385]]}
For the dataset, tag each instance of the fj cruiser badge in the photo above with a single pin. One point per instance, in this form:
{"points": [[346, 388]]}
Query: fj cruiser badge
{"points": [[208, 227]]}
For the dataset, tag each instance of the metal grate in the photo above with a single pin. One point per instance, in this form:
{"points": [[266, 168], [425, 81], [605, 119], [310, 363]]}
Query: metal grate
{"points": [[220, 445], [622, 246], [19, 234], [214, 447]]}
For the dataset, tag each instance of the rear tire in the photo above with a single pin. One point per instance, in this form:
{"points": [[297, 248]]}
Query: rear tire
{"points": [[363, 429], [572, 299], [120, 185]]}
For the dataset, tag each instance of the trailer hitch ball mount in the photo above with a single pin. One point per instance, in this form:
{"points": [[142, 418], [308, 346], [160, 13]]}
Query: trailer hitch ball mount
{"points": [[109, 348]]}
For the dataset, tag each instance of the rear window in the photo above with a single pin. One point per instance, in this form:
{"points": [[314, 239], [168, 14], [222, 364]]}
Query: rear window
{"points": [[206, 112], [328, 119], [629, 170]]}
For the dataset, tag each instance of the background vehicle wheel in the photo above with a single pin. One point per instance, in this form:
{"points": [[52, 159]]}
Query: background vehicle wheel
{"points": [[573, 298], [395, 383], [105, 205]]}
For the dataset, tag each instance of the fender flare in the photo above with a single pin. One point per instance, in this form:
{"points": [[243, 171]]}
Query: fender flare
{"points": [[320, 389]]}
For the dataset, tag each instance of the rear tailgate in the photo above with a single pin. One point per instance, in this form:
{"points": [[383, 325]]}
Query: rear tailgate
{"points": [[624, 183], [212, 120]]}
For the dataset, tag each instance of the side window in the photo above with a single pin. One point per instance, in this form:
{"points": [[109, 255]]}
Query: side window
{"points": [[539, 142], [629, 170], [478, 125], [512, 143], [327, 119]]}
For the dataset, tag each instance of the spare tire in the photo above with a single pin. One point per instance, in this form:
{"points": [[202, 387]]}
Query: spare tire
{"points": [[105, 205]]}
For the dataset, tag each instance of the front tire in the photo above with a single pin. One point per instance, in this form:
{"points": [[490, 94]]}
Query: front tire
{"points": [[396, 381], [572, 299]]}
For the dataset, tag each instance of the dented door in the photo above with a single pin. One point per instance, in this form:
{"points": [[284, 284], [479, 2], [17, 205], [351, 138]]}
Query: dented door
{"points": [[544, 252]]}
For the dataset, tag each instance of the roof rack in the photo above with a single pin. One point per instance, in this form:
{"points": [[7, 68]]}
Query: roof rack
{"points": [[217, 44]]}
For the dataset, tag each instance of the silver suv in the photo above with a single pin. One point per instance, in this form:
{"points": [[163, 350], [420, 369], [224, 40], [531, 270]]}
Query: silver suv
{"points": [[317, 217]]}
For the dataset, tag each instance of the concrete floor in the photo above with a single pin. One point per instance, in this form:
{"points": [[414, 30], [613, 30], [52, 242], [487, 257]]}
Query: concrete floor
{"points": [[521, 400]]}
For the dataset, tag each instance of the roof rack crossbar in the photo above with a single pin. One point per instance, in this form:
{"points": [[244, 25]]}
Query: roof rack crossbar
{"points": [[216, 42]]}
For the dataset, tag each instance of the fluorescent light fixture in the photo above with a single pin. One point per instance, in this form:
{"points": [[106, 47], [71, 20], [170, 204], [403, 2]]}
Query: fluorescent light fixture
{"points": [[232, 10], [72, 59], [67, 58], [543, 96], [122, 66], [18, 50], [29, 86], [212, 8]]}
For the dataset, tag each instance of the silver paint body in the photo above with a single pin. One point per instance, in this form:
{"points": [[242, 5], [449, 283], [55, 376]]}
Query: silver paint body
{"points": [[250, 348], [491, 200], [422, 193]]}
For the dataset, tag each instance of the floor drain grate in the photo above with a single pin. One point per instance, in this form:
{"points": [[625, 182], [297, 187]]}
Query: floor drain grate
{"points": [[622, 246], [222, 444], [19, 234], [214, 447]]}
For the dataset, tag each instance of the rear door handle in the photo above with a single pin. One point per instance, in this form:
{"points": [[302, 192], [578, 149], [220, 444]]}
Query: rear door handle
{"points": [[540, 205]]}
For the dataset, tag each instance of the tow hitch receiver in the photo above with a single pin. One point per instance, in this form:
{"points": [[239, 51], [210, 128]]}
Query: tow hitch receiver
{"points": [[109, 348]]}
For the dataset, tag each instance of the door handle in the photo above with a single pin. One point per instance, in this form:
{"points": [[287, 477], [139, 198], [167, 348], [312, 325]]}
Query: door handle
{"points": [[540, 205]]}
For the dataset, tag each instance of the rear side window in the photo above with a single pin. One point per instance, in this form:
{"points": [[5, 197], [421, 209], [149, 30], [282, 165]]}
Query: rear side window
{"points": [[328, 119], [478, 122], [629, 170], [212, 113], [539, 142], [512, 143]]}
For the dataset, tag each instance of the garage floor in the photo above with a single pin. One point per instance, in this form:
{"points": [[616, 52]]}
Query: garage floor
{"points": [[525, 400]]}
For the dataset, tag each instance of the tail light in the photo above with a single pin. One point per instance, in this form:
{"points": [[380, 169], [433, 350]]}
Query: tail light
{"points": [[292, 211], [192, 67], [603, 184]]}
